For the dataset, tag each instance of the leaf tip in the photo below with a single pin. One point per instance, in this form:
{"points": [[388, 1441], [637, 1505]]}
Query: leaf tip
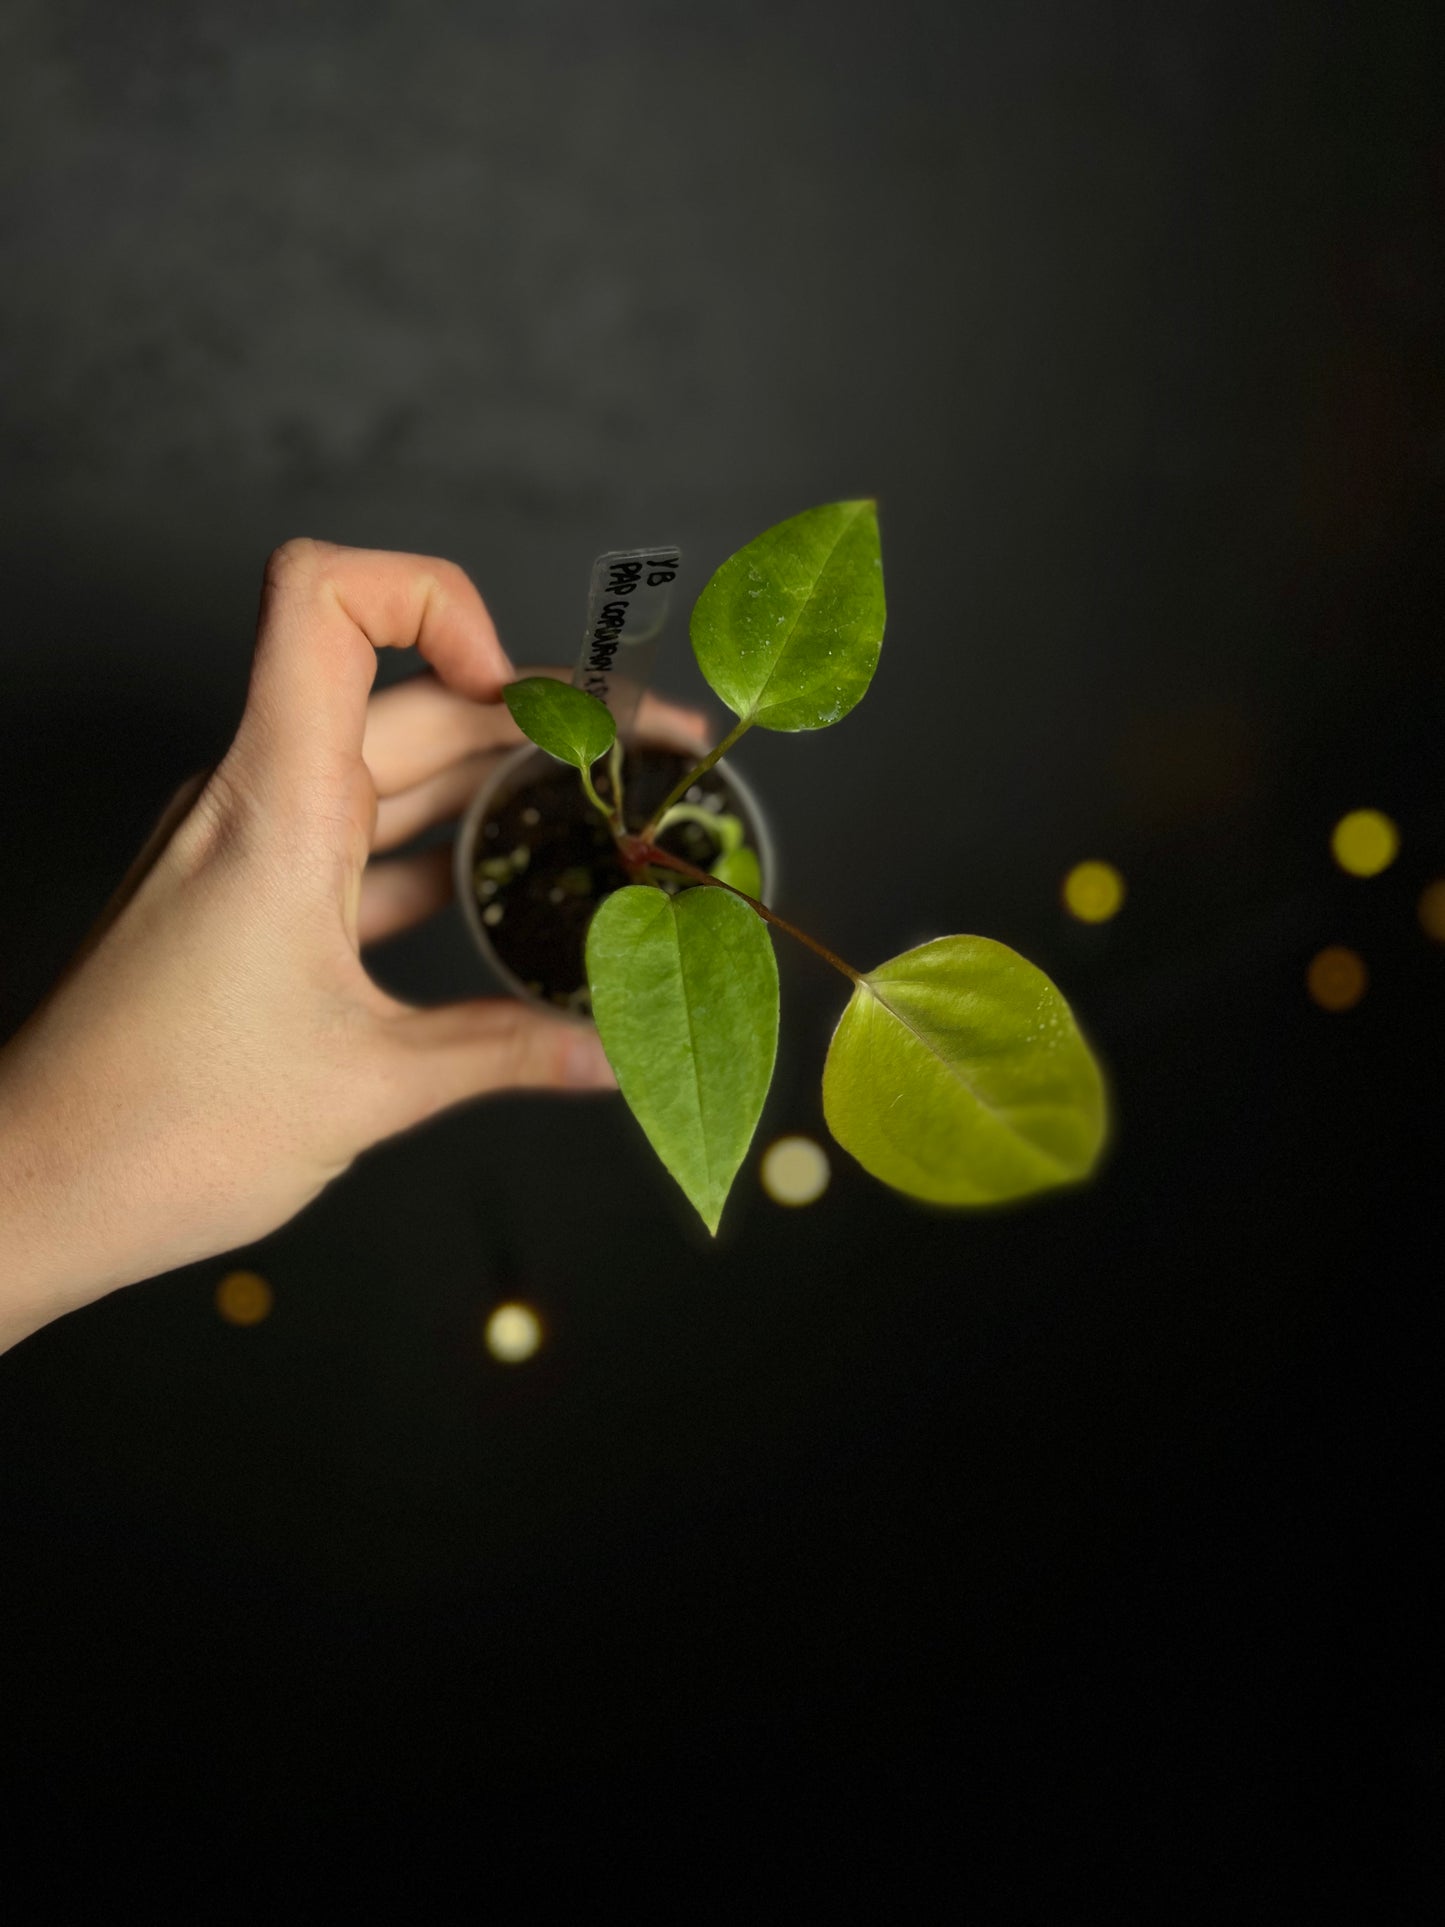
{"points": [[709, 1210], [859, 505]]}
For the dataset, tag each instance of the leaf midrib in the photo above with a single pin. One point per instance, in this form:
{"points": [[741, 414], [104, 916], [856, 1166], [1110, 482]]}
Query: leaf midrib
{"points": [[692, 1051], [993, 1110], [803, 608]]}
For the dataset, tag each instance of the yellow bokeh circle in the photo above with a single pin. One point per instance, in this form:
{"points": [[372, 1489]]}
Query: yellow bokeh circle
{"points": [[244, 1298], [794, 1171], [1365, 842], [513, 1333], [1093, 892], [1337, 978]]}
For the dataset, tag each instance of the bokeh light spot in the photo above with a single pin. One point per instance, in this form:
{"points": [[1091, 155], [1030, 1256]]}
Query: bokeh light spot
{"points": [[244, 1298], [794, 1171], [1336, 978], [1432, 910], [513, 1333], [1365, 842], [1093, 892]]}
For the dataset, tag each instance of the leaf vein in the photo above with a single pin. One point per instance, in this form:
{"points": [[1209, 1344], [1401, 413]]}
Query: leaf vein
{"points": [[692, 1050], [803, 608], [1001, 1112]]}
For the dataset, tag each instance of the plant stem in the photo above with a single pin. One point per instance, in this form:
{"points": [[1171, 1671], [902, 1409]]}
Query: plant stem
{"points": [[679, 790], [614, 770], [667, 861], [614, 815]]}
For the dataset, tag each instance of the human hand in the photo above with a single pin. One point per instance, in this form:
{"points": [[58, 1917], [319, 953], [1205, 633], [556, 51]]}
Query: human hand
{"points": [[218, 1052]]}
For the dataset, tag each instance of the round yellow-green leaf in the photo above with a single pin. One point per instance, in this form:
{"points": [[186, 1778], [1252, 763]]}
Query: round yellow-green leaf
{"points": [[788, 630], [685, 997], [958, 1075]]}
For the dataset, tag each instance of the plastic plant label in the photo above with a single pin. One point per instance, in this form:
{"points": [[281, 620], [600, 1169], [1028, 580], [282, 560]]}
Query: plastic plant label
{"points": [[626, 613]]}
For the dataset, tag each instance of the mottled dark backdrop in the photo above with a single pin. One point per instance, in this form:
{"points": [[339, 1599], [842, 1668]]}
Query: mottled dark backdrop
{"points": [[1103, 1513]]}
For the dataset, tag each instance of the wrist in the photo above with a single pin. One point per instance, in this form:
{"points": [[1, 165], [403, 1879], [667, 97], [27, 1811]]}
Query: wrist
{"points": [[64, 1233]]}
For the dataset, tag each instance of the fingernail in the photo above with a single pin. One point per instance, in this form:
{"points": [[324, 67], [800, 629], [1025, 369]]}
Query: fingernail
{"points": [[586, 1067]]}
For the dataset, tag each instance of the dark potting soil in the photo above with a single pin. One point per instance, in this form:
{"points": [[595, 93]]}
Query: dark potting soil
{"points": [[545, 860]]}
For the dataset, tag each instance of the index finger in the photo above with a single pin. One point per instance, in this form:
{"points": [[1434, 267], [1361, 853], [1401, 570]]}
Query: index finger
{"points": [[326, 610]]}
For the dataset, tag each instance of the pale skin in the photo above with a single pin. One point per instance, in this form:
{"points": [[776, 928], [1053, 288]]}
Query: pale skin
{"points": [[218, 1053]]}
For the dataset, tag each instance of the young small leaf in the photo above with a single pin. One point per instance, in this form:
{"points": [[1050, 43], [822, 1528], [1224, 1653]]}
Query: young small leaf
{"points": [[957, 1074], [741, 869], [788, 630], [568, 723], [685, 995], [727, 832]]}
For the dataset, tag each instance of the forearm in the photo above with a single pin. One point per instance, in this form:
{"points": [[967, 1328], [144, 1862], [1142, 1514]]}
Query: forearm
{"points": [[42, 1268], [113, 1168], [89, 1196]]}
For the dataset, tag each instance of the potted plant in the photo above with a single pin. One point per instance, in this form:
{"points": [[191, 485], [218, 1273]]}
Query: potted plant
{"points": [[635, 890]]}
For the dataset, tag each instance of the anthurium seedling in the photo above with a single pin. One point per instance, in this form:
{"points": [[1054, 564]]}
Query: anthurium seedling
{"points": [[956, 1073]]}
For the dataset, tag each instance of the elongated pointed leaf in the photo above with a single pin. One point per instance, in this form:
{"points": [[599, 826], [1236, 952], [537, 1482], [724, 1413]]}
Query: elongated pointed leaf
{"points": [[685, 995], [566, 722], [788, 630], [957, 1074]]}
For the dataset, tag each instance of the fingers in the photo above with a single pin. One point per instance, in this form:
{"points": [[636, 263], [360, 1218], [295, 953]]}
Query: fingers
{"points": [[671, 723], [438, 800], [325, 611], [494, 1044], [403, 892], [451, 782], [417, 727]]}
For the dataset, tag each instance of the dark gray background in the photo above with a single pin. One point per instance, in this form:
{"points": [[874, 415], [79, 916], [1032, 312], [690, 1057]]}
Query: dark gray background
{"points": [[1101, 1513]]}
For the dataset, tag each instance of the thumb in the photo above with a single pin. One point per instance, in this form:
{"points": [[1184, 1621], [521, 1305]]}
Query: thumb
{"points": [[492, 1044]]}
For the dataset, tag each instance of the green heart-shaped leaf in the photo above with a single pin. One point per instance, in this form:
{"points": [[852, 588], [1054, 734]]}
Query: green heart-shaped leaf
{"points": [[788, 630], [568, 723], [957, 1074], [685, 996]]}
